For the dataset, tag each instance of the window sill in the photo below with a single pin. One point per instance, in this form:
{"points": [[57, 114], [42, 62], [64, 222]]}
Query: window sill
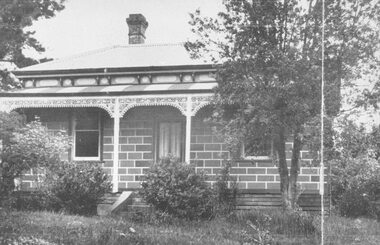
{"points": [[250, 158], [83, 159]]}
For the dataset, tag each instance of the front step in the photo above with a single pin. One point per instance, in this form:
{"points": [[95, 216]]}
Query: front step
{"points": [[104, 208]]}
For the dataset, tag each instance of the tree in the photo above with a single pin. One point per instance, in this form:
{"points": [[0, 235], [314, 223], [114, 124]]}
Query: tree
{"points": [[26, 147], [271, 68], [15, 15], [30, 146]]}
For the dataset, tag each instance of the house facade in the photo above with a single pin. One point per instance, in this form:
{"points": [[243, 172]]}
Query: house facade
{"points": [[128, 106]]}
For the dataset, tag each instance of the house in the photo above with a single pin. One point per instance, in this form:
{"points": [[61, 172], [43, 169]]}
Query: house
{"points": [[128, 106]]}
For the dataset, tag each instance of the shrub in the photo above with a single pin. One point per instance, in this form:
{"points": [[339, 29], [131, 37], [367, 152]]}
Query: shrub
{"points": [[26, 147], [177, 189], [225, 189], [76, 188], [29, 201], [355, 179], [355, 185]]}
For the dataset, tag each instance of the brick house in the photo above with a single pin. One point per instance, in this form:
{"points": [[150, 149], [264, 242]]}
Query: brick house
{"points": [[128, 106]]}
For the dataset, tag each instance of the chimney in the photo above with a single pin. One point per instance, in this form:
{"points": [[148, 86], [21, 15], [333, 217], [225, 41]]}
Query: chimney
{"points": [[137, 25]]}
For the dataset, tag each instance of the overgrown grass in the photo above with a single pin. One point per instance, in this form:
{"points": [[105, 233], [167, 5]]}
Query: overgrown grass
{"points": [[340, 230], [55, 228]]}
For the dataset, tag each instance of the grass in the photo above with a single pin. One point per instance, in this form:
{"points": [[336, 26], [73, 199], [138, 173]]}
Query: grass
{"points": [[58, 228]]}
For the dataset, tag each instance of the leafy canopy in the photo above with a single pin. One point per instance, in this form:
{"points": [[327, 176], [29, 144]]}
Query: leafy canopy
{"points": [[15, 16], [271, 53], [270, 71]]}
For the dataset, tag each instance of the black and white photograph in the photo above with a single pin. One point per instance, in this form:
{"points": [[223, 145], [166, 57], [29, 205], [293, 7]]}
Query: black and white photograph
{"points": [[189, 122]]}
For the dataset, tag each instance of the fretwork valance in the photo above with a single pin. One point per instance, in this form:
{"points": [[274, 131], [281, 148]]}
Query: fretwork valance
{"points": [[116, 106]]}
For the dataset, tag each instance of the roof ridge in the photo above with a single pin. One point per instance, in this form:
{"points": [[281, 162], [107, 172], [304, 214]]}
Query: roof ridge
{"points": [[101, 50]]}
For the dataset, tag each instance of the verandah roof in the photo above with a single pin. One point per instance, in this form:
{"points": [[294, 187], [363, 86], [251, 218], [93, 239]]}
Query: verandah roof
{"points": [[115, 89]]}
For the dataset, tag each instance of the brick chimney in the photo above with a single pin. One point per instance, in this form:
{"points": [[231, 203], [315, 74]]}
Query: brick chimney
{"points": [[137, 25]]}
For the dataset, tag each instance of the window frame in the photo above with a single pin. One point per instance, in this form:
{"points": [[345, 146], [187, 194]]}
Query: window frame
{"points": [[74, 131], [257, 157], [158, 137]]}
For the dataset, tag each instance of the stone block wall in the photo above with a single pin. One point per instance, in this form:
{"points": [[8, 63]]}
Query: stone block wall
{"points": [[208, 153], [135, 150]]}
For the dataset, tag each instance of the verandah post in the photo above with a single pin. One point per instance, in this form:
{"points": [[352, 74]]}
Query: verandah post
{"points": [[188, 130], [116, 130]]}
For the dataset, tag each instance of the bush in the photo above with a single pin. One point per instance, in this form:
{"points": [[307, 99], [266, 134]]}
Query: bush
{"points": [[29, 201], [26, 147], [76, 188], [175, 188], [225, 191], [355, 179], [355, 186]]}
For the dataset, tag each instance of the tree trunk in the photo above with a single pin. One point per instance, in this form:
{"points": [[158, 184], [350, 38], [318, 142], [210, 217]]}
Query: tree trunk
{"points": [[283, 168], [294, 168]]}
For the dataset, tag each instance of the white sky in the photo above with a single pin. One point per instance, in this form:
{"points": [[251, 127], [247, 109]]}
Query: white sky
{"points": [[92, 24]]}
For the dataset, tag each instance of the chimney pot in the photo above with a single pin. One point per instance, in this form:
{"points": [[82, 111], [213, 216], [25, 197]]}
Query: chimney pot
{"points": [[137, 25]]}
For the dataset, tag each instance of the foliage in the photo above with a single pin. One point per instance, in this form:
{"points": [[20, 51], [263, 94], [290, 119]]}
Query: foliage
{"points": [[258, 233], [9, 123], [355, 186], [28, 201], [15, 17], [370, 96], [177, 189], [76, 188], [225, 189], [26, 148], [271, 68], [356, 171], [8, 81]]}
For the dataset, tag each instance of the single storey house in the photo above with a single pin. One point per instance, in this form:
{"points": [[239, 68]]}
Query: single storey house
{"points": [[128, 106]]}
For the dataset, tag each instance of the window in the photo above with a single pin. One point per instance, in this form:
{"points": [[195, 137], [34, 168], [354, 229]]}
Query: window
{"points": [[170, 139], [257, 149], [86, 136]]}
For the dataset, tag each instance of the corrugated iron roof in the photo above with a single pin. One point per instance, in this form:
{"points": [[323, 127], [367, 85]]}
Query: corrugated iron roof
{"points": [[146, 55]]}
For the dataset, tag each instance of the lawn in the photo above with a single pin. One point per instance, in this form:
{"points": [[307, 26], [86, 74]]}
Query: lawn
{"points": [[54, 228]]}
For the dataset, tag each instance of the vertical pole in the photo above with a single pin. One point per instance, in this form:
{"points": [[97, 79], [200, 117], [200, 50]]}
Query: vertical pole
{"points": [[188, 138], [322, 170], [116, 130], [188, 130]]}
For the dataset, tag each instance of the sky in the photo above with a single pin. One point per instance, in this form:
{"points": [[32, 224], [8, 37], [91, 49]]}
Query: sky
{"points": [[86, 25]]}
